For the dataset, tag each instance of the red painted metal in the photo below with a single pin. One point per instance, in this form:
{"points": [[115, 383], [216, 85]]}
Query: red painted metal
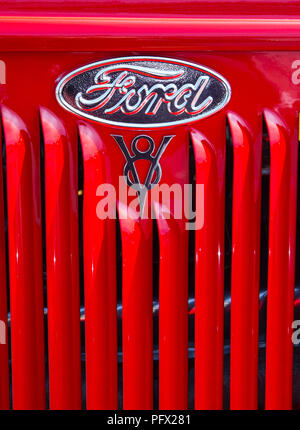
{"points": [[104, 34], [245, 264], [173, 282], [174, 8], [62, 265], [99, 278], [173, 315], [209, 276], [25, 264], [137, 312], [257, 53], [4, 368], [282, 234]]}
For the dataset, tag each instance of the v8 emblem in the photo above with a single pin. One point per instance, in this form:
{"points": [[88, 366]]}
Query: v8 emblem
{"points": [[130, 172]]}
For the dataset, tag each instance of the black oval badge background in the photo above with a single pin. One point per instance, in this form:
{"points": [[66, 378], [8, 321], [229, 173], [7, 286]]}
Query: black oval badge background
{"points": [[166, 71]]}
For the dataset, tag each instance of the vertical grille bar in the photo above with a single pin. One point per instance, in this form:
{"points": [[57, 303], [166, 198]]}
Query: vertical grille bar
{"points": [[62, 265], [99, 278], [282, 233], [209, 289], [245, 265], [137, 312], [4, 368], [173, 314], [25, 264]]}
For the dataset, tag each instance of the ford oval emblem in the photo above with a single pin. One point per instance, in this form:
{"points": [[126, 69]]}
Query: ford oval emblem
{"points": [[143, 92]]}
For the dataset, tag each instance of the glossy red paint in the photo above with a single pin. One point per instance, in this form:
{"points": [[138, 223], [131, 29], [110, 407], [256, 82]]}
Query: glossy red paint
{"points": [[247, 149], [209, 281], [25, 264], [61, 205], [106, 34], [173, 315], [256, 55], [137, 272], [99, 278], [283, 204], [137, 316], [4, 365], [174, 8], [173, 284]]}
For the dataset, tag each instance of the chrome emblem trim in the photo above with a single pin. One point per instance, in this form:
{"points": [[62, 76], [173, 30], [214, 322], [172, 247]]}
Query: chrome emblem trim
{"points": [[143, 92], [154, 173]]}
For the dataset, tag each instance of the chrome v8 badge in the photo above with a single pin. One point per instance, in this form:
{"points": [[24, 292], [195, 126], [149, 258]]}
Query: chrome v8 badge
{"points": [[143, 92]]}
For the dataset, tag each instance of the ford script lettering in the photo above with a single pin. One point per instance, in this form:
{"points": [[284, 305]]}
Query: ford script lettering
{"points": [[143, 92]]}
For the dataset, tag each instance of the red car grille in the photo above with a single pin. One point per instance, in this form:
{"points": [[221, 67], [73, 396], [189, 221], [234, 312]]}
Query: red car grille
{"points": [[61, 214], [41, 193]]}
